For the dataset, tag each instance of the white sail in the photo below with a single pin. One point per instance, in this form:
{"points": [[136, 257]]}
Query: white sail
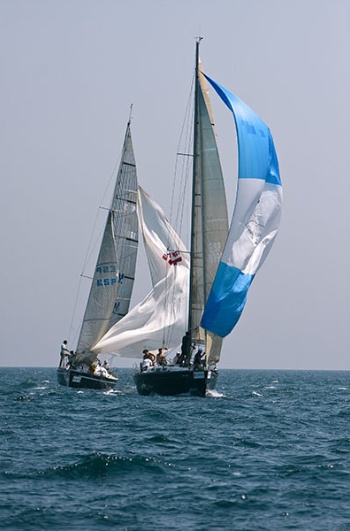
{"points": [[160, 319], [112, 284]]}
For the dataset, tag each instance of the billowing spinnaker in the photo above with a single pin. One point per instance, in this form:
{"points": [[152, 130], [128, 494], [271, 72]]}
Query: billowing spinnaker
{"points": [[255, 220], [160, 319]]}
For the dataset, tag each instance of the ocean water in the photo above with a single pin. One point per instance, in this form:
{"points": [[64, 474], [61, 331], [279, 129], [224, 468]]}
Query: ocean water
{"points": [[269, 450]]}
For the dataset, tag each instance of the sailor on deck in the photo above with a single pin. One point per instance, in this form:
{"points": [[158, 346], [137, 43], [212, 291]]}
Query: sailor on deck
{"points": [[198, 362], [148, 360], [64, 353], [161, 358]]}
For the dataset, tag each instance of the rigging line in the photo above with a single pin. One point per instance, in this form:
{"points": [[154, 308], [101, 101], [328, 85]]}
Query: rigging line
{"points": [[183, 197], [185, 122], [107, 187], [187, 162], [90, 250], [169, 305], [71, 329], [186, 172], [166, 304], [82, 275]]}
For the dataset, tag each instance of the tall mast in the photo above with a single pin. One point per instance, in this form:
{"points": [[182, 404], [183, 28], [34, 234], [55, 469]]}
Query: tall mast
{"points": [[194, 173]]}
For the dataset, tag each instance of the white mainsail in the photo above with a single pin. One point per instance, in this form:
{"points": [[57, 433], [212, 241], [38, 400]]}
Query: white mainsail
{"points": [[160, 319], [113, 279]]}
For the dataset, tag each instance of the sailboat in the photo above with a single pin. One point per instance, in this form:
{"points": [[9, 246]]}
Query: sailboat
{"points": [[198, 295], [209, 228], [112, 282]]}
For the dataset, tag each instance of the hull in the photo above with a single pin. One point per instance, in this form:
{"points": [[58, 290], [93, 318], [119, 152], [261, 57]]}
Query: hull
{"points": [[79, 380], [171, 381]]}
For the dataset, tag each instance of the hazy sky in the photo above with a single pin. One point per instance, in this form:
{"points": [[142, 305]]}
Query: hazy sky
{"points": [[70, 70]]}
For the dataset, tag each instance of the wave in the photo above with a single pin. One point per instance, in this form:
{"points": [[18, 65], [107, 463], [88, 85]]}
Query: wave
{"points": [[97, 465]]}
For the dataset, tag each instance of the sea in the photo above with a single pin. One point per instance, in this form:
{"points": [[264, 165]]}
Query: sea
{"points": [[267, 450]]}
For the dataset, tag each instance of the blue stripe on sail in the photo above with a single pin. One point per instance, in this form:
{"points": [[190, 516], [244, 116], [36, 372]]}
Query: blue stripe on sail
{"points": [[226, 300], [257, 154]]}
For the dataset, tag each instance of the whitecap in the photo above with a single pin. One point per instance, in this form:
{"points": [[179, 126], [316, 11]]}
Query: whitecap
{"points": [[214, 394], [112, 392]]}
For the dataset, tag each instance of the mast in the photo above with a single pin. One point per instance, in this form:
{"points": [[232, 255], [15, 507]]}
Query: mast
{"points": [[209, 214], [194, 175]]}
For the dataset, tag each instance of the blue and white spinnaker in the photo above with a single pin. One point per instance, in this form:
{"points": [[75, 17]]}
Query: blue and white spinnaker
{"points": [[255, 220]]}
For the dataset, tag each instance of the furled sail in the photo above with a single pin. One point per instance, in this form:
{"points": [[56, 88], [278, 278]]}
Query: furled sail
{"points": [[210, 219], [255, 219], [112, 284], [160, 319]]}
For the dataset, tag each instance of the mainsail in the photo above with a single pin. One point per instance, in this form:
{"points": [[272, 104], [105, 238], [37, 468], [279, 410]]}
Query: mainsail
{"points": [[209, 215], [255, 218], [113, 279], [160, 319]]}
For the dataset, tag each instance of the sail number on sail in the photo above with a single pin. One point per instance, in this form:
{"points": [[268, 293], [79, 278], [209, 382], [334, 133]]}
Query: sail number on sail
{"points": [[118, 277]]}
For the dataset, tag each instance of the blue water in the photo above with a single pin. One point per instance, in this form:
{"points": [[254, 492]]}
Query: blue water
{"points": [[270, 450]]}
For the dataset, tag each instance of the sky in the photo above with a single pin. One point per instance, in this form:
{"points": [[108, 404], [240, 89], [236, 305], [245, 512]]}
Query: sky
{"points": [[70, 69]]}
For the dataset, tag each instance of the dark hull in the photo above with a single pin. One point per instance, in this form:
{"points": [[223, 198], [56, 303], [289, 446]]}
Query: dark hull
{"points": [[79, 380], [170, 381]]}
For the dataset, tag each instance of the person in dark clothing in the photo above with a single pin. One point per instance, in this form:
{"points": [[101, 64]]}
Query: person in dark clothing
{"points": [[186, 348], [198, 362]]}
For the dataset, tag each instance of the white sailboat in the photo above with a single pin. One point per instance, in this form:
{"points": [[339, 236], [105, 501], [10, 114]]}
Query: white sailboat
{"points": [[197, 298], [112, 283]]}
